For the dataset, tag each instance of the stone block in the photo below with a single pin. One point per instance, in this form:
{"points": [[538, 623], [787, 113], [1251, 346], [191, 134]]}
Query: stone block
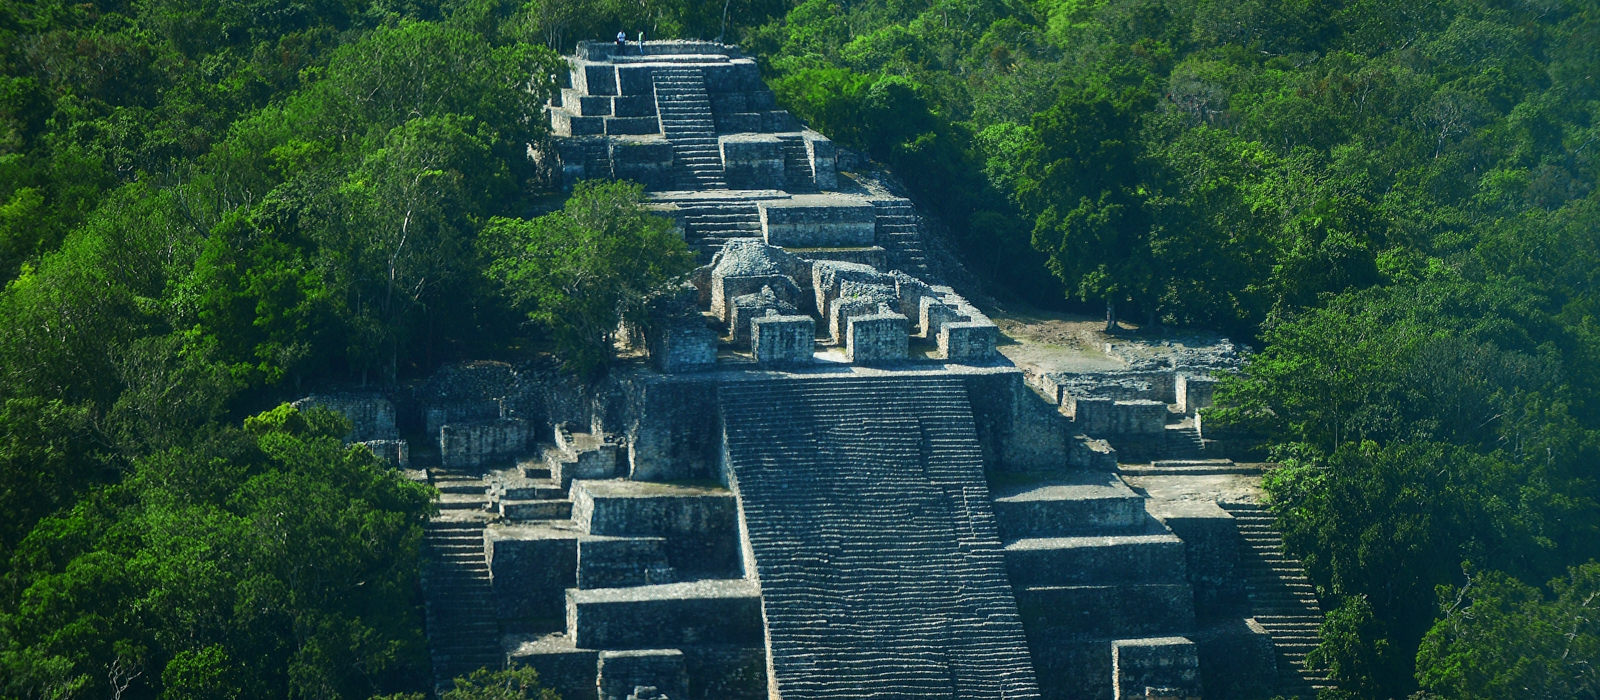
{"points": [[371, 416], [1071, 561], [570, 671], [877, 338], [752, 161], [724, 288], [841, 310], [872, 256], [779, 121], [736, 122], [713, 611], [1156, 668], [700, 524], [622, 671], [1211, 546], [631, 126], [828, 276], [635, 80], [1104, 416], [728, 101], [778, 340], [576, 102], [459, 411], [933, 313], [968, 342], [644, 161], [1107, 611], [530, 568], [746, 308], [484, 442], [1237, 660], [614, 562], [1193, 392], [738, 75], [823, 158], [396, 452], [1080, 504], [818, 221], [724, 672], [633, 106], [760, 99], [563, 123], [683, 346], [594, 78]]}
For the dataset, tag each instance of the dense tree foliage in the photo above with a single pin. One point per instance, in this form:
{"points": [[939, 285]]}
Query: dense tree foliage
{"points": [[588, 269], [206, 206], [1396, 201]]}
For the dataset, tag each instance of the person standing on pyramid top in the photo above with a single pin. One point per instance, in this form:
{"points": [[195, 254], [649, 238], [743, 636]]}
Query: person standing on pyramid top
{"points": [[622, 39]]}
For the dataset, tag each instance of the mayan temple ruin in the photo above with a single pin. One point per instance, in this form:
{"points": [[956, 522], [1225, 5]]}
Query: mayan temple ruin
{"points": [[818, 475]]}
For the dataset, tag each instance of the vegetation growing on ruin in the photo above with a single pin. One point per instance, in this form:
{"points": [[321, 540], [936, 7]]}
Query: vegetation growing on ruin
{"points": [[205, 206]]}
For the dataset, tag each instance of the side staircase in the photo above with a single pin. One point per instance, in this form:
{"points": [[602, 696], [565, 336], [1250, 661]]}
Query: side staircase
{"points": [[685, 111], [897, 233], [463, 634], [797, 166], [709, 223], [1282, 599]]}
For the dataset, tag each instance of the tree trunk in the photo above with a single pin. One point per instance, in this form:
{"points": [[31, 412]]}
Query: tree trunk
{"points": [[1111, 316]]}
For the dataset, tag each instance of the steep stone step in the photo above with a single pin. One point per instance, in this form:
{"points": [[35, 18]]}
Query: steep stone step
{"points": [[463, 633], [1282, 599]]}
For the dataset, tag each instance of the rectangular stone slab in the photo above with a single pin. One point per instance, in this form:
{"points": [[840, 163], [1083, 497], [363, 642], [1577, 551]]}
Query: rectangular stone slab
{"points": [[812, 221], [1064, 561], [724, 611]]}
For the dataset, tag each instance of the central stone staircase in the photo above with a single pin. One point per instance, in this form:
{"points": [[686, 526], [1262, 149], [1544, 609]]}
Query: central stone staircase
{"points": [[685, 112], [1282, 600], [874, 539]]}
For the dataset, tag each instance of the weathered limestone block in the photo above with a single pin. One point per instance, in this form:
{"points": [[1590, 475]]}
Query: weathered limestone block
{"points": [[594, 78], [968, 342], [737, 75], [933, 314], [844, 308], [817, 221], [395, 452], [874, 257], [911, 291], [1237, 660], [1104, 416], [778, 340], [685, 345], [678, 436], [371, 416], [821, 152], [661, 669], [728, 101], [614, 562], [752, 161], [483, 442], [1075, 504], [635, 79], [715, 611], [827, 276], [1107, 611], [648, 161], [530, 568], [736, 122], [877, 338], [725, 288], [1159, 668], [1211, 549], [1072, 561], [466, 410], [570, 671], [633, 106], [700, 524], [779, 121], [1193, 392], [748, 307], [563, 123], [631, 126], [574, 101]]}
